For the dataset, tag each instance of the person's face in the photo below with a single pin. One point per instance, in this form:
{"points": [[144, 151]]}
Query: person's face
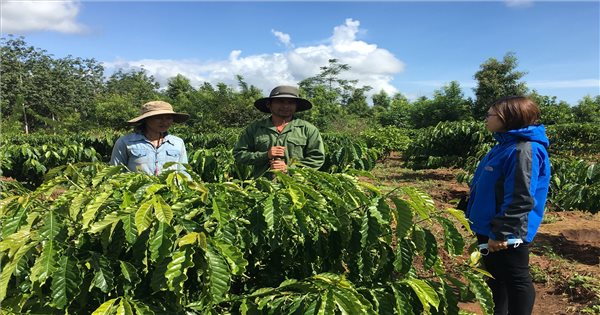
{"points": [[283, 107], [159, 123], [493, 122]]}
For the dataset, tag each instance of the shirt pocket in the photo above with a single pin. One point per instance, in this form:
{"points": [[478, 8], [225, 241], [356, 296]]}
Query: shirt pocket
{"points": [[173, 155], [296, 146], [262, 143], [139, 155]]}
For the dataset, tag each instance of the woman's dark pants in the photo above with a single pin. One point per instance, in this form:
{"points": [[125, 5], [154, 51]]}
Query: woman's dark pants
{"points": [[512, 286]]}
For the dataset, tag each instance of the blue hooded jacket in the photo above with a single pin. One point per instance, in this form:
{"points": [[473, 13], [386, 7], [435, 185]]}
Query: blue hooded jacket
{"points": [[510, 186]]}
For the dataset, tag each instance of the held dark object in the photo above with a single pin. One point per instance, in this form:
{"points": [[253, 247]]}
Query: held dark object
{"points": [[463, 203]]}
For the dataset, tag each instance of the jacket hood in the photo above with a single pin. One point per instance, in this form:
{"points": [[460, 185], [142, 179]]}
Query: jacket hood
{"points": [[536, 133]]}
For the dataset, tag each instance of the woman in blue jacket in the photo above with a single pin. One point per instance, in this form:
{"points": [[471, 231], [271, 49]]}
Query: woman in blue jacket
{"points": [[507, 199]]}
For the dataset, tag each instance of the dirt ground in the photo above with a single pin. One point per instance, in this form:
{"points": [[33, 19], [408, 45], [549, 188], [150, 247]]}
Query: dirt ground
{"points": [[565, 255]]}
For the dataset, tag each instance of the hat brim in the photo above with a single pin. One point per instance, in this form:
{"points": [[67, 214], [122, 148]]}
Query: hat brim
{"points": [[177, 117], [261, 104]]}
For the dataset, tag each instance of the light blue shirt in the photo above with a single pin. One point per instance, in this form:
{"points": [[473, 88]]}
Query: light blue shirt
{"points": [[136, 152]]}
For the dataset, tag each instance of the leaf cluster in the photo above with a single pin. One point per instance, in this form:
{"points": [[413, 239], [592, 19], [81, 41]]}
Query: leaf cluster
{"points": [[93, 239]]}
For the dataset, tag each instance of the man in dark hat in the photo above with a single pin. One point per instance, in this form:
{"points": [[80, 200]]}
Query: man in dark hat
{"points": [[281, 140]]}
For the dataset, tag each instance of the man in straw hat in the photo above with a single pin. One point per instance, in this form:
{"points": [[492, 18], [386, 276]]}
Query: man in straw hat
{"points": [[151, 146], [276, 142]]}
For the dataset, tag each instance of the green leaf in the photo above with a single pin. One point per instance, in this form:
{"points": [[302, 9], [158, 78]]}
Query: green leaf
{"points": [[431, 253], [143, 216], [124, 308], [327, 304], [350, 302], [103, 274], [65, 282], [104, 173], [234, 257], [422, 203], [405, 252], [404, 217], [92, 208], [188, 239], [129, 227], [161, 241], [106, 308], [162, 209], [402, 301], [425, 293], [454, 241], [268, 212], [460, 216], [7, 203], [9, 268], [218, 274], [141, 308], [482, 292], [108, 220], [129, 273], [78, 203], [45, 265], [177, 269]]}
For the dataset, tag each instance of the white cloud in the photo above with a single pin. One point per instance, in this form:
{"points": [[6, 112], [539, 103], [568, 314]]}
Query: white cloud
{"points": [[38, 15], [284, 38], [369, 64]]}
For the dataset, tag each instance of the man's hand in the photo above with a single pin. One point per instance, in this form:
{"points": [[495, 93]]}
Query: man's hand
{"points": [[276, 152], [278, 165], [494, 246]]}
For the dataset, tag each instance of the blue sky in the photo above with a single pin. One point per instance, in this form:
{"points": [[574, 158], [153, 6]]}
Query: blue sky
{"points": [[413, 48]]}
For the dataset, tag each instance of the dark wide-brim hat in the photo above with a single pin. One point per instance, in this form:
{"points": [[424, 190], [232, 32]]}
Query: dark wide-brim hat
{"points": [[155, 108], [283, 91]]}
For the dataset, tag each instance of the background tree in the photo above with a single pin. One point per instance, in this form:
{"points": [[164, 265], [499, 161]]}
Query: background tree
{"points": [[553, 112], [497, 79], [357, 104], [40, 91], [399, 113], [588, 109]]}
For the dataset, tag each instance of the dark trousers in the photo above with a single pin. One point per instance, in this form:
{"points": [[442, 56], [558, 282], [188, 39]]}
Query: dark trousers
{"points": [[512, 286]]}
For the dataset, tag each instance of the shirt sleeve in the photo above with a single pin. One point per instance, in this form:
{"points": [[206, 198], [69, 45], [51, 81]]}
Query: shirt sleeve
{"points": [[315, 150], [521, 179], [183, 158], [244, 150], [119, 154]]}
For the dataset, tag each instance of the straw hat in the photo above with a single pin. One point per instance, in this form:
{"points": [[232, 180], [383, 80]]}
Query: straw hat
{"points": [[158, 108], [283, 91]]}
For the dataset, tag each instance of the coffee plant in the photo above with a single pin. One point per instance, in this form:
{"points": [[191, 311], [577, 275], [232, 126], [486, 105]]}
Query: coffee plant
{"points": [[93, 239]]}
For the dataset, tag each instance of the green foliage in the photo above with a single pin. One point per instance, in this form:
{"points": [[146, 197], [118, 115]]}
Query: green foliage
{"points": [[497, 79], [43, 92], [27, 163], [308, 242], [448, 104], [343, 153], [588, 109], [575, 184], [574, 140], [453, 144], [553, 112], [387, 139], [398, 114]]}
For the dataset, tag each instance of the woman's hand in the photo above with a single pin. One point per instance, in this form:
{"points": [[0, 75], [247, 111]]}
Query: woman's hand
{"points": [[494, 246]]}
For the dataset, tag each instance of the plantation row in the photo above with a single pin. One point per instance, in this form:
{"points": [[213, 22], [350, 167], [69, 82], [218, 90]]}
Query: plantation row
{"points": [[575, 151], [95, 239]]}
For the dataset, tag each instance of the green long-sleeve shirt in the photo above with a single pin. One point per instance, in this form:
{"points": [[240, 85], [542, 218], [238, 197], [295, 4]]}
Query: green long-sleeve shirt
{"points": [[301, 139]]}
